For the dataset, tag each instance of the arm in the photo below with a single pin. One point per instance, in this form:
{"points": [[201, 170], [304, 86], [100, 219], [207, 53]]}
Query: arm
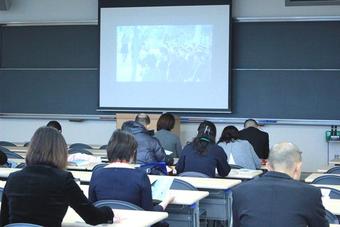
{"points": [[178, 147], [92, 192], [158, 151], [181, 163], [266, 147], [255, 158], [4, 211], [316, 218], [84, 207], [223, 167]]}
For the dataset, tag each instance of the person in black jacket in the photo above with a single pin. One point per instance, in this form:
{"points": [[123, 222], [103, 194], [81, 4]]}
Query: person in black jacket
{"points": [[203, 154], [149, 149], [278, 198], [257, 138], [42, 191]]}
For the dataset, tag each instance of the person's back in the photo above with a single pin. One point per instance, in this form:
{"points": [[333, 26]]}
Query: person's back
{"points": [[149, 148], [257, 138], [207, 163], [203, 155], [169, 141], [42, 191], [277, 198], [121, 183], [242, 153]]}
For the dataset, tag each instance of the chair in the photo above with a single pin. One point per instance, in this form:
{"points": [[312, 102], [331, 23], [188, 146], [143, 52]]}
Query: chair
{"points": [[117, 204], [7, 144], [327, 179], [26, 144], [335, 169], [21, 165], [178, 184], [103, 147], [233, 166], [193, 174], [98, 166], [333, 194], [22, 225], [80, 146], [331, 218], [10, 154], [79, 150]]}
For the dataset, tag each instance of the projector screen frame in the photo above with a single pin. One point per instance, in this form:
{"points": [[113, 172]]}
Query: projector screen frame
{"points": [[160, 3]]}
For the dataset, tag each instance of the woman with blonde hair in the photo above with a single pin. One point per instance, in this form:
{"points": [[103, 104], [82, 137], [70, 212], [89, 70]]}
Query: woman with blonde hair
{"points": [[42, 191]]}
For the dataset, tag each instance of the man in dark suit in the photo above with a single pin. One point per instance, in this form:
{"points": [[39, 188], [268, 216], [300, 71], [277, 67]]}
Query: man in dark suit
{"points": [[256, 137], [278, 198]]}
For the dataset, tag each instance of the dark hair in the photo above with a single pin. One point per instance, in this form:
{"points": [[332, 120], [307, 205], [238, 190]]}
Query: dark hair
{"points": [[142, 118], [206, 134], [166, 121], [229, 133], [3, 158], [122, 146], [47, 147], [54, 124]]}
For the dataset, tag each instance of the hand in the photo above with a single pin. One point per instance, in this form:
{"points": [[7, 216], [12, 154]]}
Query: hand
{"points": [[116, 219], [168, 199]]}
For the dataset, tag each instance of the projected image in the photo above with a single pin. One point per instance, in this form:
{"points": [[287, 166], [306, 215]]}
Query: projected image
{"points": [[174, 53]]}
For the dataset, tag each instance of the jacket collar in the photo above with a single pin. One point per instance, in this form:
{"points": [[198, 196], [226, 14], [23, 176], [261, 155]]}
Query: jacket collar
{"points": [[275, 174]]}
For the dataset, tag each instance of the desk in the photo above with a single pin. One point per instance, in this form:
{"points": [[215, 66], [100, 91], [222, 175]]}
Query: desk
{"points": [[333, 205], [325, 168], [335, 161], [183, 211], [127, 218], [311, 177], [244, 174]]}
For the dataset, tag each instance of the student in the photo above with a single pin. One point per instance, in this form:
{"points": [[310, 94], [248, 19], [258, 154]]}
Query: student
{"points": [[239, 152], [119, 180], [42, 191], [278, 198], [54, 124], [168, 140], [257, 138], [203, 155], [149, 149]]}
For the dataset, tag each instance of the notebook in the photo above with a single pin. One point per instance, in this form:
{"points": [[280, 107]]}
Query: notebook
{"points": [[160, 188]]}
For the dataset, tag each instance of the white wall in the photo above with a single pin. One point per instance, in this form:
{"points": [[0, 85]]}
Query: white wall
{"points": [[310, 139]]}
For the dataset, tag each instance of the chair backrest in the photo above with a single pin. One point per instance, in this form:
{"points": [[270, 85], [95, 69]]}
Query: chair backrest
{"points": [[233, 166], [8, 144], [178, 184], [335, 169], [80, 146], [98, 166], [154, 168], [327, 179], [193, 174], [10, 154], [103, 147], [331, 218], [333, 193], [117, 204], [22, 225], [79, 150]]}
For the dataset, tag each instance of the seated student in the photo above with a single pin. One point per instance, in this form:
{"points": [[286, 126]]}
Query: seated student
{"points": [[121, 181], [149, 149], [239, 152], [278, 198], [42, 191], [203, 155], [168, 139], [54, 124]]}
